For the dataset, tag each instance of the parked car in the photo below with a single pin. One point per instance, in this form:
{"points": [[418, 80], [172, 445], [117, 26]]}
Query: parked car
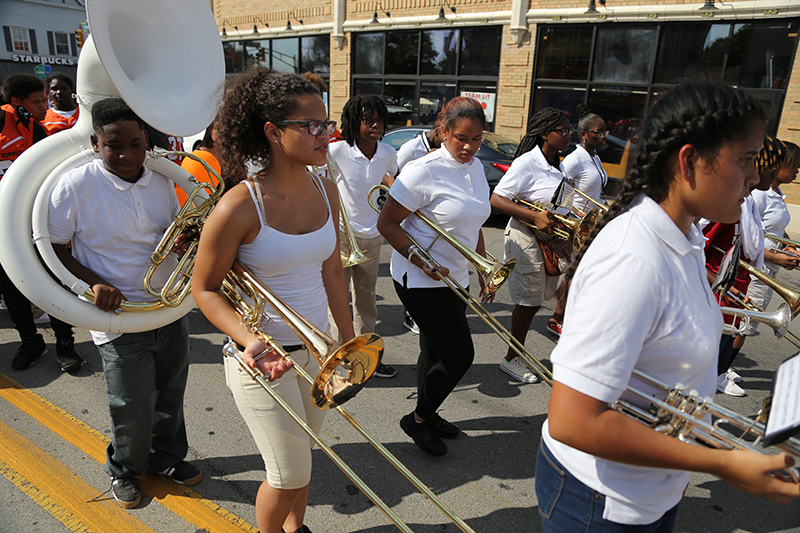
{"points": [[496, 151]]}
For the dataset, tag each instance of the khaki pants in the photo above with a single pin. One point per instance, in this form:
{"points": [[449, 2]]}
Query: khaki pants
{"points": [[361, 280]]}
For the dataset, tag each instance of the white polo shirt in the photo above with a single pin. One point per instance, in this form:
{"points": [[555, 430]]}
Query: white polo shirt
{"points": [[114, 226], [640, 299], [530, 177], [588, 175], [355, 175], [775, 216], [413, 149], [452, 194]]}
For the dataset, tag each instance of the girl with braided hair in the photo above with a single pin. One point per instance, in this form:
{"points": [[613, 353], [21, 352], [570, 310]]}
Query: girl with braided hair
{"points": [[282, 224], [640, 299], [533, 176]]}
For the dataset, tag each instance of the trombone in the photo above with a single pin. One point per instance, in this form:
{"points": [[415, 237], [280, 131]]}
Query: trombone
{"points": [[341, 375], [576, 231], [787, 333], [463, 294]]}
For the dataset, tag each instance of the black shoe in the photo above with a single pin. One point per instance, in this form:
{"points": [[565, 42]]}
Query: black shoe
{"points": [[303, 529], [424, 435], [31, 350], [183, 473], [69, 360], [409, 323], [385, 371], [126, 491], [445, 429]]}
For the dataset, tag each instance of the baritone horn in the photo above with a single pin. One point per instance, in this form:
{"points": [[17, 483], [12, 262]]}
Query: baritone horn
{"points": [[576, 232]]}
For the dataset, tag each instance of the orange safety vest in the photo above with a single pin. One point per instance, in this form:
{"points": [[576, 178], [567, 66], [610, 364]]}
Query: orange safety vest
{"points": [[20, 131], [54, 122]]}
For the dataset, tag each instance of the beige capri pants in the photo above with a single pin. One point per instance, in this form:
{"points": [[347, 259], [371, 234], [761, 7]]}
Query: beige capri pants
{"points": [[284, 446], [528, 284]]}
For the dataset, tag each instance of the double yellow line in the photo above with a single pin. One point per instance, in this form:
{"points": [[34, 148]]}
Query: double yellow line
{"points": [[71, 500]]}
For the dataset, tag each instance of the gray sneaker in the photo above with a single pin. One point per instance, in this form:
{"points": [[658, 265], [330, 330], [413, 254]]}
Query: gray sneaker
{"points": [[126, 491]]}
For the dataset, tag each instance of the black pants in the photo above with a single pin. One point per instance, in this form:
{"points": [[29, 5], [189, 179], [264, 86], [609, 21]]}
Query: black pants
{"points": [[726, 354], [445, 343], [19, 308]]}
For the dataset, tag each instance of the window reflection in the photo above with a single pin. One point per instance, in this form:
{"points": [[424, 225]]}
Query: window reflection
{"points": [[233, 52], [402, 50], [561, 97], [761, 54], [432, 97], [622, 107], [486, 94], [256, 53], [315, 54], [286, 55], [399, 98], [691, 51], [439, 51], [624, 54], [480, 51], [369, 53], [565, 52]]}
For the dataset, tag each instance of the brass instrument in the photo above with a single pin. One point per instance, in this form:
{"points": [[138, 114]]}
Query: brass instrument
{"points": [[788, 334], [778, 320], [603, 208], [351, 253], [789, 295], [494, 272], [463, 294], [577, 231], [784, 240], [342, 373]]}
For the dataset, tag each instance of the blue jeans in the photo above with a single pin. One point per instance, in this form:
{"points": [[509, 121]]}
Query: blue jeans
{"points": [[567, 505], [146, 377]]}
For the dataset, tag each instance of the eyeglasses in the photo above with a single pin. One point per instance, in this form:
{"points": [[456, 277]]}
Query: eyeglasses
{"points": [[599, 133], [371, 121], [315, 127], [565, 132]]}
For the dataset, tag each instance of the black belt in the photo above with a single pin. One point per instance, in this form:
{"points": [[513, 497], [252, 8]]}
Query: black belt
{"points": [[288, 349]]}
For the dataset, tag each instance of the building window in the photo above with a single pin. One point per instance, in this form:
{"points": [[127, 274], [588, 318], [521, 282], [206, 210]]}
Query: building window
{"points": [[20, 39], [62, 43], [295, 55]]}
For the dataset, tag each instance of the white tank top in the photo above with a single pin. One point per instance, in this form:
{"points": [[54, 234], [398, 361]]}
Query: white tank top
{"points": [[291, 267]]}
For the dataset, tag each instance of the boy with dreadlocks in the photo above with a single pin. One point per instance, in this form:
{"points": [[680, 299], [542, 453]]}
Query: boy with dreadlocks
{"points": [[533, 176], [356, 165]]}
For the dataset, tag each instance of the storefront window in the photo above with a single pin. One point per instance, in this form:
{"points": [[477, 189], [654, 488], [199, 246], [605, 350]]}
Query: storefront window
{"points": [[691, 51], [399, 97], [368, 53], [432, 97], [402, 50], [286, 55], [486, 94], [624, 54], [622, 107], [256, 53], [564, 52], [234, 60], [439, 52], [480, 51], [761, 55], [315, 54], [561, 97], [367, 87]]}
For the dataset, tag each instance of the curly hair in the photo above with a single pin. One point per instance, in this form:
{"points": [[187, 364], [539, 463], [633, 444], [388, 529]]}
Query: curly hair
{"points": [[254, 98], [358, 108], [458, 109], [21, 86], [705, 114], [542, 122]]}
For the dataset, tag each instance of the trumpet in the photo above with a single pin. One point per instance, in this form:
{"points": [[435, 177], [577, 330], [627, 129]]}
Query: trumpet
{"points": [[494, 272], [342, 373], [577, 231]]}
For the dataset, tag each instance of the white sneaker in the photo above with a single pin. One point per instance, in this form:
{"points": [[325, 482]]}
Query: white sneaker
{"points": [[44, 319], [518, 370], [726, 385], [734, 376]]}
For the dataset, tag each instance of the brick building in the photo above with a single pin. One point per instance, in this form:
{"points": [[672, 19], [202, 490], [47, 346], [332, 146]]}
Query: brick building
{"points": [[517, 56]]}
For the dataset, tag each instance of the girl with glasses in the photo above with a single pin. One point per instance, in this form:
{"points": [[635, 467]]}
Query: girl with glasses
{"points": [[583, 165], [282, 224], [534, 176]]}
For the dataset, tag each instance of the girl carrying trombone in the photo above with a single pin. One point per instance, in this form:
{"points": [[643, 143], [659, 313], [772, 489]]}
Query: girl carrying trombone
{"points": [[640, 299], [282, 224]]}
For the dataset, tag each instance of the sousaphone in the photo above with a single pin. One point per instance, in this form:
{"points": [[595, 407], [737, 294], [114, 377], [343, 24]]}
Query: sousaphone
{"points": [[165, 60]]}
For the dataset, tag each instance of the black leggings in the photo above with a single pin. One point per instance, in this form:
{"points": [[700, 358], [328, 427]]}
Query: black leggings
{"points": [[445, 343], [19, 309]]}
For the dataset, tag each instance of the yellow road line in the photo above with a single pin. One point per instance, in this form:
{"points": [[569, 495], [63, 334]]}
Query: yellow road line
{"points": [[71, 494], [182, 501]]}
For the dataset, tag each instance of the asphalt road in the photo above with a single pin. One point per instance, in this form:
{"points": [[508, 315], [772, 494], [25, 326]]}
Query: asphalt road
{"points": [[53, 429]]}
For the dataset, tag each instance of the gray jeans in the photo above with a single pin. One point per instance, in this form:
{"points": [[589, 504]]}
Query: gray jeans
{"points": [[146, 377]]}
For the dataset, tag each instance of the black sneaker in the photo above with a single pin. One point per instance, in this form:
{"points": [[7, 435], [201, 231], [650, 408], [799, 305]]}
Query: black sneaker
{"points": [[126, 491], [409, 323], [424, 435], [183, 473], [445, 429], [69, 360], [385, 371], [31, 350], [303, 529]]}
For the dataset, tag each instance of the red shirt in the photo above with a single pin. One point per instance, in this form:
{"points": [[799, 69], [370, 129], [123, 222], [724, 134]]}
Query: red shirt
{"points": [[54, 122], [19, 132]]}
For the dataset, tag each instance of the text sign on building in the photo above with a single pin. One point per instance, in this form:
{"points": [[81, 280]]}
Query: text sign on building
{"points": [[486, 100], [44, 60]]}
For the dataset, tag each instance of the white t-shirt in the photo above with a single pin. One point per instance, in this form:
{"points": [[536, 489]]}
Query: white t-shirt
{"points": [[640, 299], [114, 226], [530, 177], [413, 149], [775, 216], [587, 173], [455, 196], [355, 175]]}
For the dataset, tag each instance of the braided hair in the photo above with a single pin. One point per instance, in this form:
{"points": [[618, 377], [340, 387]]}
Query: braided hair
{"points": [[256, 97], [772, 157], [357, 109], [704, 114], [542, 122]]}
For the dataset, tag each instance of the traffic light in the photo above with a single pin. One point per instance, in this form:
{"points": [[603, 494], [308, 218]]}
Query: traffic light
{"points": [[79, 36]]}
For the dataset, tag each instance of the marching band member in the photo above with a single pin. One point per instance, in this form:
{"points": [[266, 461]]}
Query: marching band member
{"points": [[449, 186], [63, 112], [598, 469], [533, 176], [583, 165], [282, 224]]}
